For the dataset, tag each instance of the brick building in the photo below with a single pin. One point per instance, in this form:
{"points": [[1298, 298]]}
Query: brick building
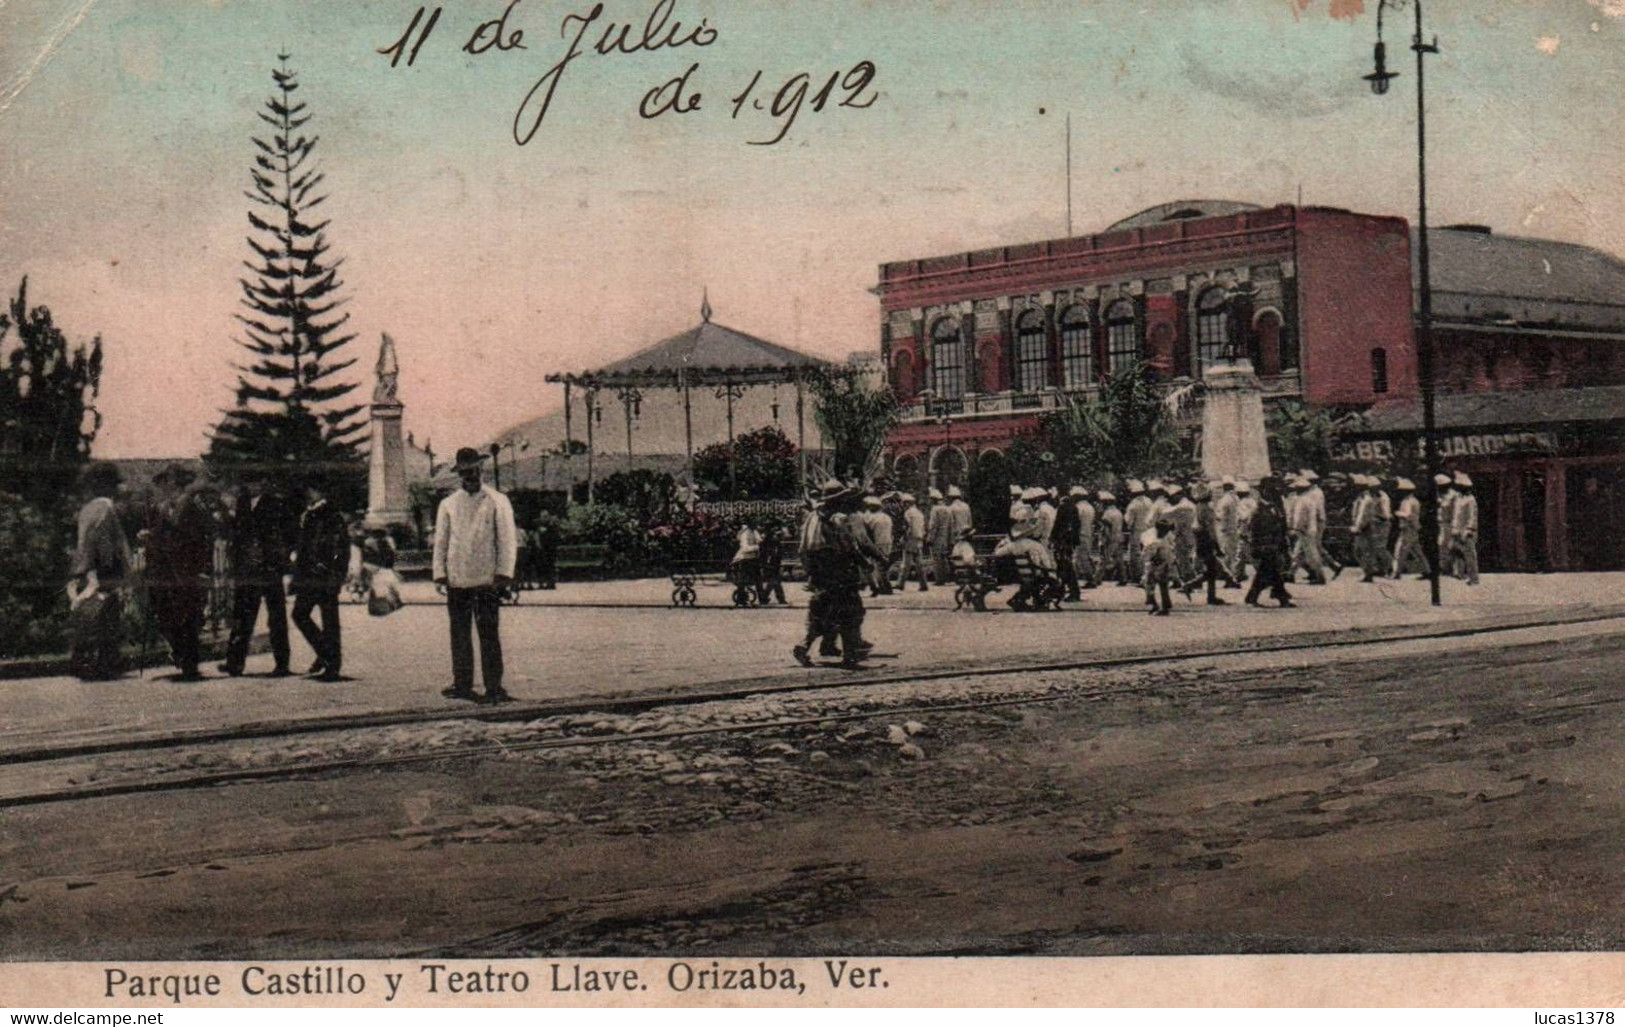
{"points": [[978, 344]]}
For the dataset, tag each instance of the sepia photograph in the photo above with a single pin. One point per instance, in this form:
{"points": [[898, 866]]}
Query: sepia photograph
{"points": [[532, 487]]}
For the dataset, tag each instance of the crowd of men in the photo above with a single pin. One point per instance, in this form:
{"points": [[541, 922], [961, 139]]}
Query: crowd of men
{"points": [[197, 538], [187, 533], [1163, 536]]}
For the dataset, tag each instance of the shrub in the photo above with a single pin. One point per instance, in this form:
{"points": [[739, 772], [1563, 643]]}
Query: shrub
{"points": [[35, 541]]}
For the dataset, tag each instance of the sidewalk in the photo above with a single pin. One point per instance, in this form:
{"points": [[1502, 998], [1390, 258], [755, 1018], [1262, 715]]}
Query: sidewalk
{"points": [[617, 639]]}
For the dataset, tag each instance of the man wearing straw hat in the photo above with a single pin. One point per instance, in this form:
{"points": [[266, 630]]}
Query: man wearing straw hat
{"points": [[1445, 501], [1019, 509], [1137, 519], [1083, 555], [1371, 527], [1464, 530], [1360, 521], [939, 536], [1306, 523], [1408, 547], [1246, 506], [1227, 526], [963, 521], [877, 524], [913, 541], [1110, 564]]}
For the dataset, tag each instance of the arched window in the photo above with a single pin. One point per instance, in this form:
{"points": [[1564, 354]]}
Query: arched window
{"points": [[1379, 370], [1212, 326], [948, 467], [1289, 347], [1032, 352], [1077, 350], [947, 359], [1122, 337]]}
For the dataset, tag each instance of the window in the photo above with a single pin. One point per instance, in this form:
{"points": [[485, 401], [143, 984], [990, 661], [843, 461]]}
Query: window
{"points": [[1212, 326], [902, 376], [1379, 370], [947, 359], [1267, 344], [1122, 337], [1289, 348], [1542, 364], [1032, 352], [1077, 349]]}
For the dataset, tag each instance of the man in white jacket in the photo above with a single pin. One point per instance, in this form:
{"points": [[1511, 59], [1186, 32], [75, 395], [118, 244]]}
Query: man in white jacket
{"points": [[1445, 504], [475, 547], [1227, 521], [1307, 521], [1464, 530], [1408, 547]]}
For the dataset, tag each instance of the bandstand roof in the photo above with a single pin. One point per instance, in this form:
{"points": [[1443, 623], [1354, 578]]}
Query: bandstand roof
{"points": [[707, 354]]}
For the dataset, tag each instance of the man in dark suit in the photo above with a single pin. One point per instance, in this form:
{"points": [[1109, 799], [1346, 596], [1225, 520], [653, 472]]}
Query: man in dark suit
{"points": [[259, 559], [180, 562], [321, 561], [1064, 540]]}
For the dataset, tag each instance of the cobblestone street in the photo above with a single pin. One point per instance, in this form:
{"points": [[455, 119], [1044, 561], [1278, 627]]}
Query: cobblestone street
{"points": [[1433, 793]]}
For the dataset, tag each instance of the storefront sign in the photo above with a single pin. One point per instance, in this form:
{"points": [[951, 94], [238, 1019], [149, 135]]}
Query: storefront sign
{"points": [[1513, 443]]}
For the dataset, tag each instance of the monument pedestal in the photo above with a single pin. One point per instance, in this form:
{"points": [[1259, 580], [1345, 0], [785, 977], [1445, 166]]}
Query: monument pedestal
{"points": [[387, 501], [1234, 441]]}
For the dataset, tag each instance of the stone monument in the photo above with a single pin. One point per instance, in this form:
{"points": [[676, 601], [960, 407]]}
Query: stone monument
{"points": [[1234, 441], [387, 501]]}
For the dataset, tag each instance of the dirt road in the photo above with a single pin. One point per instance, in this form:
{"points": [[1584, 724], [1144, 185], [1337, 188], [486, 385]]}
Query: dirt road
{"points": [[1447, 794]]}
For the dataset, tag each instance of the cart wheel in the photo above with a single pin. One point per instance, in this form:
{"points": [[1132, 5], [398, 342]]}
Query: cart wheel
{"points": [[677, 597]]}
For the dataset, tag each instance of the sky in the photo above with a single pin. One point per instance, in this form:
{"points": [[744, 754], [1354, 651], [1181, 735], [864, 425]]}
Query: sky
{"points": [[127, 125]]}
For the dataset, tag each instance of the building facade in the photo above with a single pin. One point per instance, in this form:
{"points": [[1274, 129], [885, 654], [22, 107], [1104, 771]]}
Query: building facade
{"points": [[977, 345]]}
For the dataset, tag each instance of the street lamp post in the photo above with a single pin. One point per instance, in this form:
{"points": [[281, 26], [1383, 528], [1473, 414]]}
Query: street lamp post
{"points": [[1379, 80]]}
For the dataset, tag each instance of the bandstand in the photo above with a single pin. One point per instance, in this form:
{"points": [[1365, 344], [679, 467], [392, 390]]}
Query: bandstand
{"points": [[709, 358]]}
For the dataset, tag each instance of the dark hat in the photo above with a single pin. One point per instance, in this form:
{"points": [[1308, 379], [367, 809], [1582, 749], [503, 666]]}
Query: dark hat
{"points": [[178, 475], [468, 457], [101, 473]]}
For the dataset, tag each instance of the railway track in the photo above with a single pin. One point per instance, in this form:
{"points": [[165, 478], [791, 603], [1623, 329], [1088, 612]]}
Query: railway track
{"points": [[804, 682], [140, 784]]}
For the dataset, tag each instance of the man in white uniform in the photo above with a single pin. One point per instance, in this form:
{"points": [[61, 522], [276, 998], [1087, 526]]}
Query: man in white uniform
{"points": [[1408, 547], [1464, 530], [1227, 521], [1446, 504], [913, 542]]}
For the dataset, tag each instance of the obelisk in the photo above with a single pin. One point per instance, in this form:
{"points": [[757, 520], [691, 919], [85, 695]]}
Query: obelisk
{"points": [[387, 501], [1234, 442]]}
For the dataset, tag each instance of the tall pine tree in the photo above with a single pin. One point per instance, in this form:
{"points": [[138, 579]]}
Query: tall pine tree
{"points": [[291, 410]]}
